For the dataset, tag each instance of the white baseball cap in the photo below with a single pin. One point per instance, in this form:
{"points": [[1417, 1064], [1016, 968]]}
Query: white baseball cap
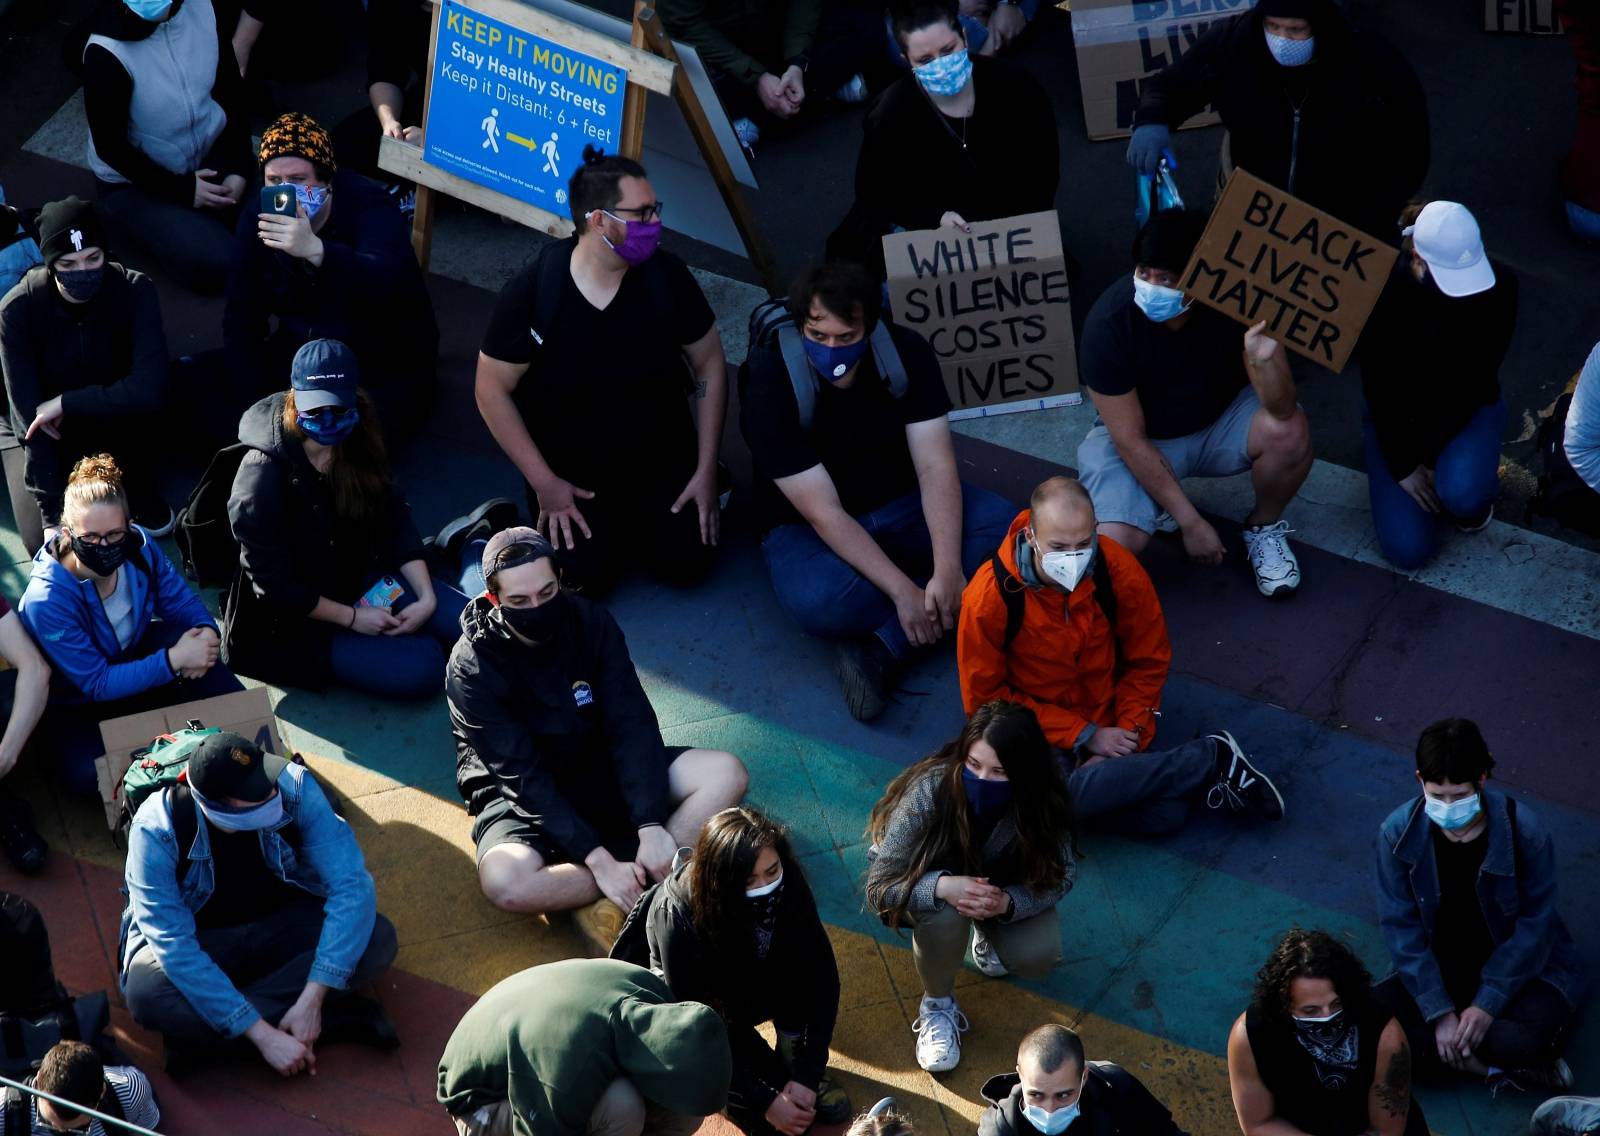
{"points": [[1447, 237]]}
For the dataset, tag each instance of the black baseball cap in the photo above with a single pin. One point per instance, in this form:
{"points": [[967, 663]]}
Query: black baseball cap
{"points": [[230, 765]]}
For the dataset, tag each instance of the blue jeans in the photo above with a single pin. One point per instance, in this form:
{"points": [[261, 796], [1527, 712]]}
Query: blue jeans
{"points": [[1466, 477], [1584, 222], [401, 666], [73, 729], [830, 599]]}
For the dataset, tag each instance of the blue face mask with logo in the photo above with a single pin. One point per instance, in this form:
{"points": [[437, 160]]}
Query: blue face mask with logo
{"points": [[987, 799], [946, 75], [834, 363], [312, 198], [329, 426], [1291, 52], [1453, 815], [1157, 301], [1051, 1123]]}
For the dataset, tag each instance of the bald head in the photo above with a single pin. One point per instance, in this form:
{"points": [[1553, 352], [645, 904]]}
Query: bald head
{"points": [[1062, 515]]}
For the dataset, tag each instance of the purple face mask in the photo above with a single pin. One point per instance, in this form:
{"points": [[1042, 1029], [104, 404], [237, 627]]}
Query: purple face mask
{"points": [[640, 242]]}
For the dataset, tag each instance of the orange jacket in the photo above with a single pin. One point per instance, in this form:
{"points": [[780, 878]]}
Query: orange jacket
{"points": [[1060, 665]]}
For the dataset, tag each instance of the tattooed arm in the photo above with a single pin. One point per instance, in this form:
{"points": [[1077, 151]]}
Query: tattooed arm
{"points": [[1389, 1101]]}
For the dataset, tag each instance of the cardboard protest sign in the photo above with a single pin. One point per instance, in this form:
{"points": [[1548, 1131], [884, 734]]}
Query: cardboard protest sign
{"points": [[247, 712], [994, 305], [1533, 17], [1120, 44], [1268, 256]]}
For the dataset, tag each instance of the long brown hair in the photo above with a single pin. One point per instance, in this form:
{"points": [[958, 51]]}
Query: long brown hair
{"points": [[724, 857], [359, 475], [1039, 798]]}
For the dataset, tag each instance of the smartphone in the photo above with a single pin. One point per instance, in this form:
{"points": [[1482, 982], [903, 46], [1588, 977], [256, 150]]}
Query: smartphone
{"points": [[382, 594], [279, 199]]}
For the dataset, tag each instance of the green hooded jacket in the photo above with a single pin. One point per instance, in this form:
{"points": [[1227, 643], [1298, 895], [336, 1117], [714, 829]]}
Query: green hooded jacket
{"points": [[551, 1038]]}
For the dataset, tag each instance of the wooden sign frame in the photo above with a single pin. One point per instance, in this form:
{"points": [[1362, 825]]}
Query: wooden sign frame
{"points": [[651, 63]]}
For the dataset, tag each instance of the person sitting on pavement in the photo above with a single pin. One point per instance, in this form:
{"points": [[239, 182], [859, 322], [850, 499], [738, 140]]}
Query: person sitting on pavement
{"points": [[735, 926], [584, 1046], [771, 62], [334, 585], [1175, 396], [592, 359], [559, 757], [1334, 116], [85, 364], [871, 534], [1054, 1087], [121, 628], [1038, 630], [1567, 1116], [1314, 1054], [975, 843], [397, 34], [1487, 976], [958, 140], [250, 914], [1430, 374], [169, 140], [340, 266], [72, 1071], [24, 693]]}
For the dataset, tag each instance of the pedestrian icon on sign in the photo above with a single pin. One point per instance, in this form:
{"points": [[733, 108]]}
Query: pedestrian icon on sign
{"points": [[491, 130], [550, 156]]}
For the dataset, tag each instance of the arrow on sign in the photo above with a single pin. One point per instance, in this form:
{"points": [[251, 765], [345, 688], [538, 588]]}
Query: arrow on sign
{"points": [[521, 141]]}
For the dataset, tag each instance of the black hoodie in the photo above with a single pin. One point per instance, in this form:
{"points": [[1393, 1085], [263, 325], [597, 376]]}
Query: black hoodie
{"points": [[1362, 146], [1114, 1103], [561, 729]]}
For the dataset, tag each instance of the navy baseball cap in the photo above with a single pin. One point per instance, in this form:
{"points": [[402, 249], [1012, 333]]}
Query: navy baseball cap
{"points": [[324, 373]]}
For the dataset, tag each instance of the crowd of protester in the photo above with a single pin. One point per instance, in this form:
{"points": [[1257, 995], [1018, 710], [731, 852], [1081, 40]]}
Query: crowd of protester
{"points": [[251, 922]]}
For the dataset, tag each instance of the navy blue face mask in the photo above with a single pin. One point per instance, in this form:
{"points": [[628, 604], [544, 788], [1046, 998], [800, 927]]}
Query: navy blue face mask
{"points": [[987, 799], [329, 426], [834, 363]]}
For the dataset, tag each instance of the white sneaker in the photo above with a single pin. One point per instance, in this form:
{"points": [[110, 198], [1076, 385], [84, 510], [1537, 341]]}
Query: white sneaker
{"points": [[985, 956], [1277, 571], [939, 1026]]}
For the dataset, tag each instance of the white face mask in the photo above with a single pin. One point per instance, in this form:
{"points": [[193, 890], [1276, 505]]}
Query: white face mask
{"points": [[764, 889], [1322, 1021], [1068, 567], [264, 815]]}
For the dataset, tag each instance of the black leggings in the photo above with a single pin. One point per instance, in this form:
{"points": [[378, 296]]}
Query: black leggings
{"points": [[1529, 1032]]}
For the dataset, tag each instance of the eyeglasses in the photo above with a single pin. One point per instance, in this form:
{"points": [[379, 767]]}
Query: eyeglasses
{"points": [[651, 212], [114, 537]]}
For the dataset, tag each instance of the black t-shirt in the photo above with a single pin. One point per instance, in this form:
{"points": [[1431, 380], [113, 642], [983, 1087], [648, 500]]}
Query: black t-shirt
{"points": [[1185, 379], [1461, 939], [245, 890], [858, 433], [606, 393]]}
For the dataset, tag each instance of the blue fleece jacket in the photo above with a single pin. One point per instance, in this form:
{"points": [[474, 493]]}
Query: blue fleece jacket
{"points": [[67, 619]]}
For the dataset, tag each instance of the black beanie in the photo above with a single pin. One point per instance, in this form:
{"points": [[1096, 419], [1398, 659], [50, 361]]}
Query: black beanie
{"points": [[69, 226]]}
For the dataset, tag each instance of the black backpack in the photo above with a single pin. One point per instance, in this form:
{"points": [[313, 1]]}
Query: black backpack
{"points": [[1563, 495], [36, 1011], [1015, 594], [772, 325], [19, 1123], [186, 821], [203, 534]]}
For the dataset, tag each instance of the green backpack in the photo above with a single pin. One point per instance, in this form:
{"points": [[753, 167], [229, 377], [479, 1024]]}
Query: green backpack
{"points": [[156, 766]]}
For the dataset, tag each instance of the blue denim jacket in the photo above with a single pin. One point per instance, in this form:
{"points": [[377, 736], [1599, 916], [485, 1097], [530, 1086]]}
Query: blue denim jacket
{"points": [[160, 911], [1518, 894]]}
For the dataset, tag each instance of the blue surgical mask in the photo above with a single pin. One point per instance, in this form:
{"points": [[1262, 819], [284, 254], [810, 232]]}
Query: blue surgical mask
{"points": [[987, 798], [1291, 52], [1157, 301], [312, 198], [834, 363], [946, 75], [1453, 815], [153, 10], [330, 426], [268, 813], [1051, 1123]]}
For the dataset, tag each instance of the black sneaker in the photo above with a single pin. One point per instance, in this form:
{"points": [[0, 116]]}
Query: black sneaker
{"points": [[1241, 787], [25, 848], [1556, 1075], [360, 1020], [482, 523], [158, 523], [862, 668]]}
